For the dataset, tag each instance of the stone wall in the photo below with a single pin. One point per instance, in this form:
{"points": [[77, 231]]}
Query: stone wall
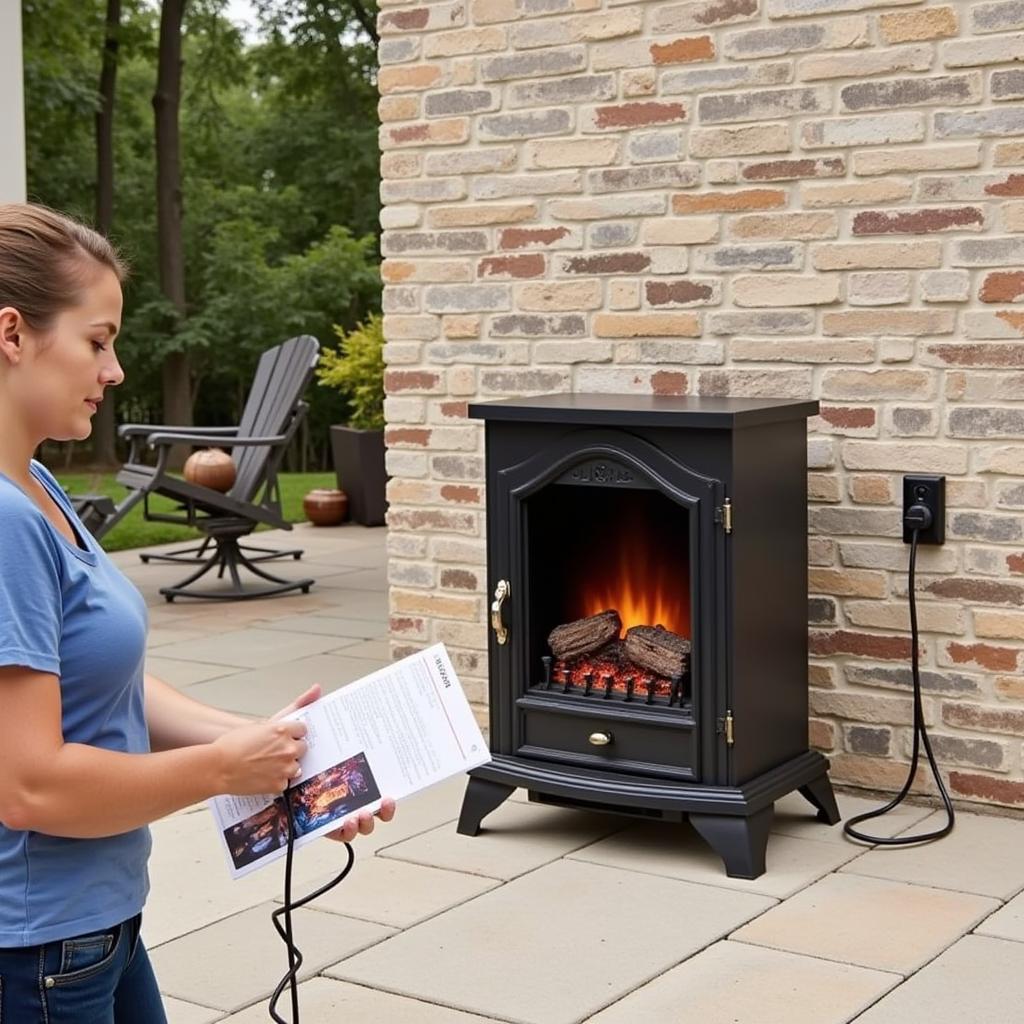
{"points": [[782, 198]]}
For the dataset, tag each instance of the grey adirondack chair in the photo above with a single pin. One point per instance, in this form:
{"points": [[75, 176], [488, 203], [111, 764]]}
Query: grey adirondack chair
{"points": [[272, 414]]}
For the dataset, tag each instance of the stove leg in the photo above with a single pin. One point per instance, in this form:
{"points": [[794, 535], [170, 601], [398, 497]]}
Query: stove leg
{"points": [[819, 792], [482, 797], [741, 842]]}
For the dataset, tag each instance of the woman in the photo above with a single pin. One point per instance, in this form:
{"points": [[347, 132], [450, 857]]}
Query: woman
{"points": [[91, 748]]}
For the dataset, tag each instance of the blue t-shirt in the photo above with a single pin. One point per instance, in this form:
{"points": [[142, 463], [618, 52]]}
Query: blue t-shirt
{"points": [[68, 610]]}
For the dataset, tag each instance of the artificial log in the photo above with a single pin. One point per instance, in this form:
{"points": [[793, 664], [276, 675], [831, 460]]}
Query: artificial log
{"points": [[584, 635], [658, 650]]}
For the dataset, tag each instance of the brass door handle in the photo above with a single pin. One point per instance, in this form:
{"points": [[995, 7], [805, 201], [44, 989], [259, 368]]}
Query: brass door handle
{"points": [[600, 739], [501, 591]]}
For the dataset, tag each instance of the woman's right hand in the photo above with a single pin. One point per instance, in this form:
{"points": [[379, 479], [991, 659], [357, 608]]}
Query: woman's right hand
{"points": [[261, 758]]}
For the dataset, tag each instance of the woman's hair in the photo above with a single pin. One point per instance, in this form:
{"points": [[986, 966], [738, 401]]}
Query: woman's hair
{"points": [[45, 259]]}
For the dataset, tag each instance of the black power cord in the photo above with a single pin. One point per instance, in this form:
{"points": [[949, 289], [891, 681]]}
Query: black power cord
{"points": [[291, 979], [917, 518]]}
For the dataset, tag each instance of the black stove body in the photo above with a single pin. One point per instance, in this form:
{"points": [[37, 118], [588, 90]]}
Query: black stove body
{"points": [[684, 512]]}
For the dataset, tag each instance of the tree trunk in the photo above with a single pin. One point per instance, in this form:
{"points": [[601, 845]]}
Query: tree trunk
{"points": [[171, 254], [104, 423]]}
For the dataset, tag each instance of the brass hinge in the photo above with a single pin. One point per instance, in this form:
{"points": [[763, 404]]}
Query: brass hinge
{"points": [[723, 515], [724, 728]]}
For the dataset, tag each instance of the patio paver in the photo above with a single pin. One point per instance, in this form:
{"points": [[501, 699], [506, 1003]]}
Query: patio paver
{"points": [[511, 952], [732, 983], [180, 1012], [979, 980], [981, 855], [326, 1000], [676, 851], [871, 922], [397, 894], [193, 967], [263, 691], [1007, 923], [516, 838]]}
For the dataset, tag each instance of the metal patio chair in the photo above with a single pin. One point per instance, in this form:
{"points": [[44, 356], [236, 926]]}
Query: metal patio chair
{"points": [[272, 414]]}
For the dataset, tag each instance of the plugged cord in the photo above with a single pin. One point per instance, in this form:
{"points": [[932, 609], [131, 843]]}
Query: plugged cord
{"points": [[918, 517], [291, 979]]}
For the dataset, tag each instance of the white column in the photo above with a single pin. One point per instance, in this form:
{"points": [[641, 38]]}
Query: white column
{"points": [[12, 105]]}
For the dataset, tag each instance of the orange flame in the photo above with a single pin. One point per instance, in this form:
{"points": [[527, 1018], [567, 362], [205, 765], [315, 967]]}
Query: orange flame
{"points": [[643, 587]]}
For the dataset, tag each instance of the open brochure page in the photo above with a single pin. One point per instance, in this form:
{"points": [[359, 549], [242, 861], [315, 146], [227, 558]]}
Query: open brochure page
{"points": [[392, 733]]}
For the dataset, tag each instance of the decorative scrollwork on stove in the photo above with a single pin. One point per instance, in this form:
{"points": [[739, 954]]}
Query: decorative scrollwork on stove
{"points": [[601, 473]]}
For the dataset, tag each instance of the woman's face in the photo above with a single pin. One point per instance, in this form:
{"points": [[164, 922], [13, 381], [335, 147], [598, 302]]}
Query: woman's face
{"points": [[62, 373]]}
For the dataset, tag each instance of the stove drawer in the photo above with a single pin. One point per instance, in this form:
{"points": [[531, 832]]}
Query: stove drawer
{"points": [[656, 745]]}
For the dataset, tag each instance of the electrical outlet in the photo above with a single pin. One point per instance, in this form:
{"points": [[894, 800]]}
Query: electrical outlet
{"points": [[929, 491]]}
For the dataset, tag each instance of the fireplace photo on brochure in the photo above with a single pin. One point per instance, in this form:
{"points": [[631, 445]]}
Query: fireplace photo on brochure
{"points": [[330, 795]]}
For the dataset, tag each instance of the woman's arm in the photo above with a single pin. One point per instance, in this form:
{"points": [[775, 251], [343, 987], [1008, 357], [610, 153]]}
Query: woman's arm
{"points": [[80, 791], [176, 720]]}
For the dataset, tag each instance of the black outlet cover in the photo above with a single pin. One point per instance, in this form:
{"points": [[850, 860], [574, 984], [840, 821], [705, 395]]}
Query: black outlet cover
{"points": [[929, 491]]}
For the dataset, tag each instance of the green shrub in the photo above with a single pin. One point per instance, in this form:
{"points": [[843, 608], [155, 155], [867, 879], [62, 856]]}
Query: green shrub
{"points": [[356, 369]]}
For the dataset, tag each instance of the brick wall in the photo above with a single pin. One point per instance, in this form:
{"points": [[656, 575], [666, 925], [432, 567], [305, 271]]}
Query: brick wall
{"points": [[783, 198]]}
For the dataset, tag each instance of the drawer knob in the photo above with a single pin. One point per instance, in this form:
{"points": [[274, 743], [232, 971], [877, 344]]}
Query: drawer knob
{"points": [[600, 739]]}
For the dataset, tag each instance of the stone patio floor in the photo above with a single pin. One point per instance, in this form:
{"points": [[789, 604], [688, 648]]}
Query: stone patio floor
{"points": [[551, 916]]}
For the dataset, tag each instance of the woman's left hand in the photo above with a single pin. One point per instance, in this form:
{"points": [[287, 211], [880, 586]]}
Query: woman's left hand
{"points": [[362, 823], [359, 824]]}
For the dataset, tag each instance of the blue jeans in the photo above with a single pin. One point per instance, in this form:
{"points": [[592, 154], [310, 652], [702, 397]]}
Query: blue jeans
{"points": [[100, 978]]}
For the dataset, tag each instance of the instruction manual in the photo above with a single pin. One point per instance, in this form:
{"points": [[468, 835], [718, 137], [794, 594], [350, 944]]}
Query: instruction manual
{"points": [[391, 733]]}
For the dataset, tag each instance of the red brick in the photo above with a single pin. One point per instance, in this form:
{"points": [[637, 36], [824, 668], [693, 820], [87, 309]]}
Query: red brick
{"points": [[410, 380], [999, 659], [683, 51], [409, 133], [984, 787], [461, 493], [632, 115], [407, 435], [402, 624], [994, 355], [1013, 186], [458, 579], [821, 734], [1002, 286], [519, 238], [916, 222], [847, 416], [661, 293], [788, 170], [959, 588], [1015, 563], [455, 410], [608, 263], [405, 21], [867, 645], [669, 382], [527, 265]]}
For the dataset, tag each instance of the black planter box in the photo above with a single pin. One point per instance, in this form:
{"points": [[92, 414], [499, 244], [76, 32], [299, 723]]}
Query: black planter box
{"points": [[359, 466], [718, 490]]}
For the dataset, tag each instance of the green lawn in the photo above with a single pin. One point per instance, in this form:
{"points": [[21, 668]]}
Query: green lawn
{"points": [[135, 532]]}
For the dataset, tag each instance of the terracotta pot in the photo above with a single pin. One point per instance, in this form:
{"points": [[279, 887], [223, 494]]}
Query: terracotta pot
{"points": [[211, 467], [325, 507]]}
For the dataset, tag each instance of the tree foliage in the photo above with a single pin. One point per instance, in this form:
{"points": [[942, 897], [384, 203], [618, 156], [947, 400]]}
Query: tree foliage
{"points": [[279, 180]]}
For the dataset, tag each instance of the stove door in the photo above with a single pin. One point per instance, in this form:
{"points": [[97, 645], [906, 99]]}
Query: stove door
{"points": [[598, 519]]}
